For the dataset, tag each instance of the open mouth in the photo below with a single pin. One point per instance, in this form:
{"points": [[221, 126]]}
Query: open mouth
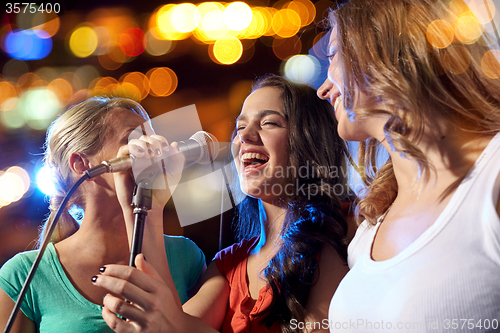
{"points": [[254, 160]]}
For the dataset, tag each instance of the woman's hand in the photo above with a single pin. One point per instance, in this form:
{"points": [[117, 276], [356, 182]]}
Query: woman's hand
{"points": [[151, 306], [152, 155]]}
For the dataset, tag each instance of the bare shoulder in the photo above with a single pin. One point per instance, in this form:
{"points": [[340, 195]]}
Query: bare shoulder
{"points": [[22, 323]]}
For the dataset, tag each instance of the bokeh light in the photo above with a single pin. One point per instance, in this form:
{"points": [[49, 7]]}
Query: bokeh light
{"points": [[7, 92], [163, 20], [227, 50], [39, 107], [483, 10], [28, 44], [48, 22], [132, 42], [237, 16], [157, 46], [62, 89], [163, 81], [14, 183], [286, 23], [44, 181], [490, 64], [468, 29], [185, 17], [440, 33], [137, 80], [302, 68], [83, 42]]}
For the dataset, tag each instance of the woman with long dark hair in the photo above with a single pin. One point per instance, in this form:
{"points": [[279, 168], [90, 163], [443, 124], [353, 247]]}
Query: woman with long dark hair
{"points": [[292, 166]]}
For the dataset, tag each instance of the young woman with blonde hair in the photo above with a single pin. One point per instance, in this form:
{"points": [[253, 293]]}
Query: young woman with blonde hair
{"points": [[61, 297]]}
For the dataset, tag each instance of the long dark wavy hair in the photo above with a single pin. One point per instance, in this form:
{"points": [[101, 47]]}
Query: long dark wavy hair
{"points": [[312, 221]]}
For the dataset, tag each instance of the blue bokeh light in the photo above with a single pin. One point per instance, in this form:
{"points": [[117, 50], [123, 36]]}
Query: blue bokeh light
{"points": [[28, 44]]}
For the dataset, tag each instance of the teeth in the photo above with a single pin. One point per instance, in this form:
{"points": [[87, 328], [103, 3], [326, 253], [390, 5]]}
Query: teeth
{"points": [[337, 102], [250, 156]]}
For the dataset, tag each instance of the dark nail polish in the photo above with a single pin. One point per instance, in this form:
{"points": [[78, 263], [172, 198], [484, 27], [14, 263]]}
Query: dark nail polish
{"points": [[144, 257], [102, 269], [150, 151], [164, 144], [94, 279], [158, 152]]}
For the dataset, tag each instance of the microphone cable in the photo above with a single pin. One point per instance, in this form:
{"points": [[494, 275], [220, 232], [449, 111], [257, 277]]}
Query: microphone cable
{"points": [[38, 258]]}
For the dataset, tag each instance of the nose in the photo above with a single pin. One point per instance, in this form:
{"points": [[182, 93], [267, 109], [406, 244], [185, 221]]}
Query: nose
{"points": [[247, 135], [325, 89]]}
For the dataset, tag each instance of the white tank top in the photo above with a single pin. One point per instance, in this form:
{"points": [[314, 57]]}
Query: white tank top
{"points": [[447, 280]]}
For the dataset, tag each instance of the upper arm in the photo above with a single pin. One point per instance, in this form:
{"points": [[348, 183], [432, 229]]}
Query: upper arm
{"points": [[211, 302], [194, 289], [332, 270], [22, 324]]}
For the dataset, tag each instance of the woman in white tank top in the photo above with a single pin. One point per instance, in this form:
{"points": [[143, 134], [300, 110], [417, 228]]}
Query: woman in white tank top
{"points": [[417, 79]]}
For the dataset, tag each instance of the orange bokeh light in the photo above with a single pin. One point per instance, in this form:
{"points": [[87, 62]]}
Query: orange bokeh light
{"points": [[440, 33], [490, 64], [163, 81]]}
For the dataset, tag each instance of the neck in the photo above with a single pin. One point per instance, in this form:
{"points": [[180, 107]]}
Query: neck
{"points": [[451, 152], [102, 234], [271, 222]]}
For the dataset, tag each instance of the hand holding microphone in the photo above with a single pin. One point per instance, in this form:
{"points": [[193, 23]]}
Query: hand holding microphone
{"points": [[152, 156]]}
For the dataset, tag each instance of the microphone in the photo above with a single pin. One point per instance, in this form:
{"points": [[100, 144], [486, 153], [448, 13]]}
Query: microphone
{"points": [[202, 148]]}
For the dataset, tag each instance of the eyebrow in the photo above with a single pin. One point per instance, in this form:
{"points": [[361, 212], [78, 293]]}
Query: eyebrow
{"points": [[262, 114]]}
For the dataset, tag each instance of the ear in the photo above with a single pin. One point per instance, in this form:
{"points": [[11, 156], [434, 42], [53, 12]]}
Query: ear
{"points": [[79, 163]]}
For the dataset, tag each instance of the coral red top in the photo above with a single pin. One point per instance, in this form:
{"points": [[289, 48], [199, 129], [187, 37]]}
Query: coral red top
{"points": [[241, 315]]}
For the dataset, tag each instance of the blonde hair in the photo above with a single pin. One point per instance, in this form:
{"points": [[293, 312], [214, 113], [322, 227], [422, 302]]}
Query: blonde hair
{"points": [[79, 129], [384, 52]]}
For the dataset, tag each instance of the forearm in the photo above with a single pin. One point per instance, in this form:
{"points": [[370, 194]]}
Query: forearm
{"points": [[153, 248]]}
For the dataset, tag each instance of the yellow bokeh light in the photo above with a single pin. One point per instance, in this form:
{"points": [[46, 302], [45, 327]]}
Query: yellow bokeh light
{"points": [[440, 34], [468, 29], [163, 19], [227, 50], [237, 16], [258, 26], [163, 81], [286, 23], [456, 59], [185, 17], [83, 42], [490, 64], [211, 14], [103, 86]]}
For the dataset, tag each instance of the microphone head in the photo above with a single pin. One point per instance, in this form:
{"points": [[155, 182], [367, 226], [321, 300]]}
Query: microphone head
{"points": [[209, 146]]}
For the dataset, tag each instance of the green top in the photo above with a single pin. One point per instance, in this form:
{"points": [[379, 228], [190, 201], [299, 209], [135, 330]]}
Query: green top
{"points": [[54, 304]]}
